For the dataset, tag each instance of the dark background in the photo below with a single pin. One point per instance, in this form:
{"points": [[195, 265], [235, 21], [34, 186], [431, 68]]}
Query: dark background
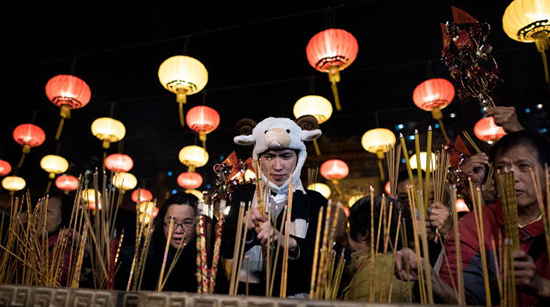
{"points": [[257, 65]]}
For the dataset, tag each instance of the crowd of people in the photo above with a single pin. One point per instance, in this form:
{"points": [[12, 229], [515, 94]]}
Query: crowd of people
{"points": [[279, 148]]}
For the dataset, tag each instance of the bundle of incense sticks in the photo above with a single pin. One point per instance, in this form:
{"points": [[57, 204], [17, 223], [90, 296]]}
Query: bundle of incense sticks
{"points": [[284, 273], [478, 214], [541, 190], [420, 264], [393, 159], [144, 232], [506, 184], [239, 236], [328, 266]]}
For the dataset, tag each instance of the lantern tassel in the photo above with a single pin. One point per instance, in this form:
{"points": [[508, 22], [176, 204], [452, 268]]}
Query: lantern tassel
{"points": [[48, 187], [59, 129], [542, 42], [21, 160], [381, 167], [336, 98], [443, 130], [182, 121], [317, 149]]}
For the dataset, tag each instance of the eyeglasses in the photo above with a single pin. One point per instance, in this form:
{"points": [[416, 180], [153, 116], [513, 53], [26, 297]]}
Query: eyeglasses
{"points": [[185, 224]]}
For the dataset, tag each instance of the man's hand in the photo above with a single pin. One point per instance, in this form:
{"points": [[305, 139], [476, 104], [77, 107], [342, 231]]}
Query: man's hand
{"points": [[406, 267], [474, 167], [440, 218], [526, 276], [267, 231], [505, 117]]}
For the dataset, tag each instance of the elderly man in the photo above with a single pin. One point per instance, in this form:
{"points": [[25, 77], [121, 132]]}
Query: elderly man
{"points": [[280, 151]]}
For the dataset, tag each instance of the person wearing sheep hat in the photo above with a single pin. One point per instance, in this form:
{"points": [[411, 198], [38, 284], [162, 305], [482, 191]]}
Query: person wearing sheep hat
{"points": [[280, 152]]}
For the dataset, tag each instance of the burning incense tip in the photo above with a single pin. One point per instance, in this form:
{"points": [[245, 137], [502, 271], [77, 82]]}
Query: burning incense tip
{"points": [[430, 128], [415, 131], [400, 135]]}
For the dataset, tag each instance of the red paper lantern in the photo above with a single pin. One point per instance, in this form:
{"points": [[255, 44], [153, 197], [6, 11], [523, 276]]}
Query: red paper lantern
{"points": [[5, 168], [332, 49], [66, 183], [119, 163], [433, 95], [69, 91], [486, 130], [29, 135], [189, 180], [203, 120], [144, 195], [334, 169]]}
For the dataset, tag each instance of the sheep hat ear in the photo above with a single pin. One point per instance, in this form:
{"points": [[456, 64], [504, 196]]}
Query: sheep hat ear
{"points": [[244, 128], [310, 127]]}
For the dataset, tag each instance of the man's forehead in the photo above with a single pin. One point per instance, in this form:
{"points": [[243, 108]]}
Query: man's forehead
{"points": [[278, 151]]}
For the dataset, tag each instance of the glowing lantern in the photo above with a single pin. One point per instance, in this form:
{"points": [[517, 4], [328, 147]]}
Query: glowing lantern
{"points": [[5, 168], [148, 208], [67, 92], [124, 181], [331, 51], [141, 195], [378, 141], [89, 196], [197, 193], [249, 175], [203, 120], [182, 75], [423, 156], [315, 105], [108, 130], [66, 183], [119, 163], [528, 21], [54, 165], [321, 188], [486, 130], [461, 205], [13, 183], [28, 135], [189, 180], [433, 95], [334, 169], [193, 156]]}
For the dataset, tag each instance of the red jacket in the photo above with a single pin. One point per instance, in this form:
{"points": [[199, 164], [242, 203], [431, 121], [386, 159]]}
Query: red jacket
{"points": [[531, 240]]}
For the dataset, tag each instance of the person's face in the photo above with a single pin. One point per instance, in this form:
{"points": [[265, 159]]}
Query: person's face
{"points": [[279, 164], [53, 219], [521, 160], [402, 188], [183, 225]]}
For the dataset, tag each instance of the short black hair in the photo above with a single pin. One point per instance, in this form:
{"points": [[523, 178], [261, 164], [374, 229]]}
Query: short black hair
{"points": [[532, 141], [360, 219]]}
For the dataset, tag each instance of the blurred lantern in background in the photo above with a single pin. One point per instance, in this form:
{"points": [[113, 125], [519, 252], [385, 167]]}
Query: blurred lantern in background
{"points": [[189, 180], [423, 156], [334, 170], [67, 92], [13, 183], [28, 135], [321, 188], [461, 205], [124, 181], [182, 75], [387, 188], [353, 199], [331, 51], [486, 130], [203, 120], [315, 105], [5, 168], [149, 208], [193, 156], [433, 95], [528, 21], [66, 183], [197, 193], [378, 141], [89, 196], [119, 163], [141, 195], [108, 130], [53, 165]]}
